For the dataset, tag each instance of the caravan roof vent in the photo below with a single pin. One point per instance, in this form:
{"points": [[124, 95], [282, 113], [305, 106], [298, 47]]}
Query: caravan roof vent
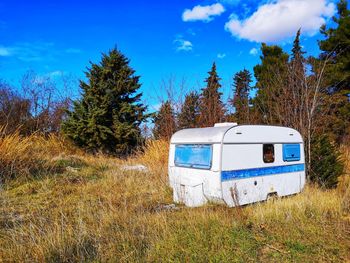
{"points": [[225, 124]]}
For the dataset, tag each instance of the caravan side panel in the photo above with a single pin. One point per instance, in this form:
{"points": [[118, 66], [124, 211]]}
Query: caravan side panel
{"points": [[246, 178]]}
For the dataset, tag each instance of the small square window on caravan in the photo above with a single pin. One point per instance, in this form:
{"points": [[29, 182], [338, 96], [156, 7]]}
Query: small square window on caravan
{"points": [[291, 152], [268, 153], [193, 155]]}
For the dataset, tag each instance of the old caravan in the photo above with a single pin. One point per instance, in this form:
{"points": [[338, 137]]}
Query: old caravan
{"points": [[235, 164]]}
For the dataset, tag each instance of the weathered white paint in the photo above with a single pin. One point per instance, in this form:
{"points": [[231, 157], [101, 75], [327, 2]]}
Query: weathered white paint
{"points": [[234, 148]]}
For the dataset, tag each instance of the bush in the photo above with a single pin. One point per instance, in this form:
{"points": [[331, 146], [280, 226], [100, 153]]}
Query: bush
{"points": [[326, 162]]}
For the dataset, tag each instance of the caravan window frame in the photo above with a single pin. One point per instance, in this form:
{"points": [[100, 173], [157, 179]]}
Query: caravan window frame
{"points": [[194, 166]]}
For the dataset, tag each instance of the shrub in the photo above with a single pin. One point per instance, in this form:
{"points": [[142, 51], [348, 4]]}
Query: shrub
{"points": [[326, 162]]}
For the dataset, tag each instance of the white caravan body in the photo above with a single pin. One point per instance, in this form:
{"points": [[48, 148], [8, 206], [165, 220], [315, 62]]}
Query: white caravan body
{"points": [[235, 164]]}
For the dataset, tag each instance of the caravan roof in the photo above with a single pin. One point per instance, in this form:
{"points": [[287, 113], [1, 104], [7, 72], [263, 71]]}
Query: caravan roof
{"points": [[233, 133]]}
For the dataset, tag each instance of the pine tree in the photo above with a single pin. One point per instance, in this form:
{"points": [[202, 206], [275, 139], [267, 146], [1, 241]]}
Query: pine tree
{"points": [[241, 84], [336, 48], [326, 164], [164, 122], [108, 116], [295, 102], [297, 52], [336, 51], [189, 114], [274, 66], [211, 107]]}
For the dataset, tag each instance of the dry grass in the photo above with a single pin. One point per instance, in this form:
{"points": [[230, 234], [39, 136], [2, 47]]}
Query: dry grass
{"points": [[92, 210], [155, 155], [344, 182], [31, 155]]}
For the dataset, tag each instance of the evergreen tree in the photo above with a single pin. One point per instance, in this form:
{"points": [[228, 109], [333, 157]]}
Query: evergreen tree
{"points": [[297, 52], [274, 62], [211, 107], [188, 117], [336, 51], [336, 48], [241, 84], [326, 164], [108, 116], [164, 122], [295, 102]]}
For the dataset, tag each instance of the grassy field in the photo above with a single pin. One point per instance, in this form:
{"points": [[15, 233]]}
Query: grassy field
{"points": [[58, 204]]}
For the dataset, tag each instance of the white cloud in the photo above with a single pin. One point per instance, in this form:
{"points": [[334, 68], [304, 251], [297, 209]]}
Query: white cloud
{"points": [[253, 51], [29, 51], [5, 52], [35, 51], [156, 107], [73, 50], [182, 44], [280, 19], [46, 78], [55, 74], [191, 32], [221, 55], [203, 13]]}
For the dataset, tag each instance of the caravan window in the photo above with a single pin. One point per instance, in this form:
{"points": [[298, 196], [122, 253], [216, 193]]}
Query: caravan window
{"points": [[268, 153], [193, 155], [291, 152]]}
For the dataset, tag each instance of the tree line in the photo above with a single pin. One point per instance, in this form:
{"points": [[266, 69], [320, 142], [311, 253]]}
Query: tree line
{"points": [[37, 105], [310, 94]]}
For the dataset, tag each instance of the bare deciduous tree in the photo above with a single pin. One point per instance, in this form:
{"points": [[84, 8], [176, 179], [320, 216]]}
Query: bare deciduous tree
{"points": [[298, 98], [39, 105], [14, 109]]}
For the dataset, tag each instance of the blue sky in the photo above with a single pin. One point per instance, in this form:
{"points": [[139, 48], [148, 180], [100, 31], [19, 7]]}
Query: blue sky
{"points": [[179, 39]]}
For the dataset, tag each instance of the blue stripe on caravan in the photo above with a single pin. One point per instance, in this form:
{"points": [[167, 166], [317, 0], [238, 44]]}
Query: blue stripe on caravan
{"points": [[253, 172]]}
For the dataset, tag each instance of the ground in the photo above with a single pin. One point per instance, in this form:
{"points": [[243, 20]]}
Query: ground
{"points": [[91, 209]]}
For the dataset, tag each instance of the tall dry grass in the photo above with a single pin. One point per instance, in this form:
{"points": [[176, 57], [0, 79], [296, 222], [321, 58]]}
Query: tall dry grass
{"points": [[344, 181], [100, 212], [31, 155], [155, 155]]}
